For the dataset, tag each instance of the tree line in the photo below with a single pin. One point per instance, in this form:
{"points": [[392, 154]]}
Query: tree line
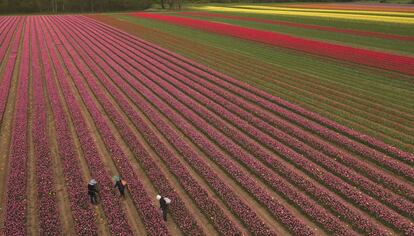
{"points": [[61, 6]]}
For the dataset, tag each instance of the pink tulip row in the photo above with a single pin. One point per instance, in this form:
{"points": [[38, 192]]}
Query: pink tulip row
{"points": [[83, 215], [187, 99], [240, 207], [16, 198], [165, 153], [149, 213], [323, 220], [178, 210], [348, 175], [15, 24], [304, 26], [47, 203], [220, 27], [115, 216]]}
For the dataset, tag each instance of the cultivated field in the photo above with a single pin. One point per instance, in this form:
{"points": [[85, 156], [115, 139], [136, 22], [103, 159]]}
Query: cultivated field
{"points": [[253, 119]]}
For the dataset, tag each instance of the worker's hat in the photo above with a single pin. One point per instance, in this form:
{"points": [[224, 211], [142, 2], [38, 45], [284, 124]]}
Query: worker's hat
{"points": [[158, 197], [93, 182]]}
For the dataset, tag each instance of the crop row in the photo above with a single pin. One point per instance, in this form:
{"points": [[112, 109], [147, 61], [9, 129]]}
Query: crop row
{"points": [[46, 195], [241, 208], [173, 162], [178, 123], [164, 87], [303, 26], [83, 218], [16, 198], [215, 93], [199, 195], [376, 59]]}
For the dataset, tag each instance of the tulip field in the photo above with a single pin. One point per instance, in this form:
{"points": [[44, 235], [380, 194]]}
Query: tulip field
{"points": [[249, 131]]}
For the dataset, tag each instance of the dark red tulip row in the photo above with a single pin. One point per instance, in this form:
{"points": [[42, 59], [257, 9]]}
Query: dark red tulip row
{"points": [[187, 100], [82, 213], [200, 196], [172, 162], [240, 207], [309, 208], [304, 26], [383, 60], [46, 194], [15, 197]]}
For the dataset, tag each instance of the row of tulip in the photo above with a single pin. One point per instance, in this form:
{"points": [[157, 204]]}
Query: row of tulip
{"points": [[171, 159], [149, 213], [311, 209], [216, 93], [346, 173], [200, 196], [83, 217], [238, 206], [14, 25], [169, 99], [303, 26], [46, 194], [377, 144], [115, 216], [16, 198], [402, 64]]}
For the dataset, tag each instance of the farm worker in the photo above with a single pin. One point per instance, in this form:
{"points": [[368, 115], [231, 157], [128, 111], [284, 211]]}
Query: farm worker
{"points": [[120, 184], [164, 202], [93, 191]]}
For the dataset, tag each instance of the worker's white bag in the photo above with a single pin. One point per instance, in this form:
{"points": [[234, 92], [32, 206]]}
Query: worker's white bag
{"points": [[167, 200]]}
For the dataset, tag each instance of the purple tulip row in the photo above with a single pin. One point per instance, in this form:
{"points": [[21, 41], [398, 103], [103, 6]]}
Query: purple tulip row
{"points": [[187, 100], [46, 195], [189, 184], [311, 209], [149, 213], [83, 217], [346, 173], [240, 207], [16, 198], [115, 216]]}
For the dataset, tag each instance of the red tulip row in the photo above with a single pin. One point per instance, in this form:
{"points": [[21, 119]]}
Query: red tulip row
{"points": [[200, 196], [348, 175], [16, 198], [169, 99], [149, 213], [46, 195], [324, 220], [304, 26], [240, 207], [82, 213], [383, 60]]}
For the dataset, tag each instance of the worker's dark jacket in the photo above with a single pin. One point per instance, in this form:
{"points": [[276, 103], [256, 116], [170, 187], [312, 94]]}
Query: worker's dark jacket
{"points": [[120, 186], [92, 190], [163, 204]]}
